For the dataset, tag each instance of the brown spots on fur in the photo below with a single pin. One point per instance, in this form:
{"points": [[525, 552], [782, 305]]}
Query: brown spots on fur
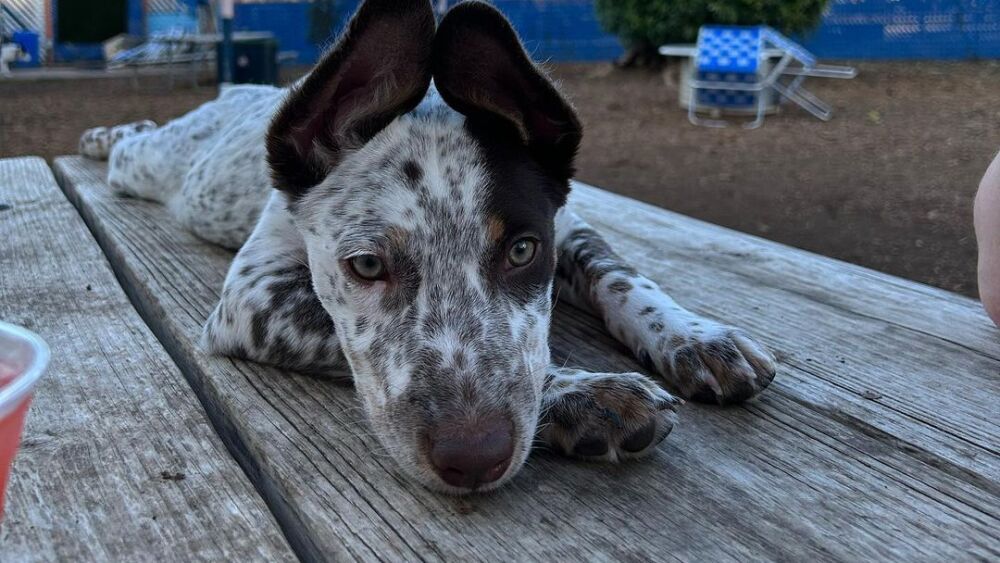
{"points": [[496, 228], [631, 404], [397, 238], [724, 351], [677, 341]]}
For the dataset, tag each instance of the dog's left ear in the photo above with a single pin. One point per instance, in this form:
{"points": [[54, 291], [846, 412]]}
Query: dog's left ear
{"points": [[481, 70]]}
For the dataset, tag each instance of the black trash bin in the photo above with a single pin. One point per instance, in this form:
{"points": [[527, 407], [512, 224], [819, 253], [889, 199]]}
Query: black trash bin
{"points": [[255, 59]]}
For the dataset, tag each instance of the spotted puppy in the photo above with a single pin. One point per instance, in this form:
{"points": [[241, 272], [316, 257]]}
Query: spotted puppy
{"points": [[417, 235]]}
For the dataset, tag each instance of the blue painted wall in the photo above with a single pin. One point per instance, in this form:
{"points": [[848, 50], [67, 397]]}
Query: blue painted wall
{"points": [[562, 30], [908, 29], [567, 30], [290, 24]]}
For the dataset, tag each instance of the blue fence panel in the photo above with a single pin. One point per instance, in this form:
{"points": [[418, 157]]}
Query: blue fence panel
{"points": [[560, 30], [568, 30], [288, 21], [908, 29]]}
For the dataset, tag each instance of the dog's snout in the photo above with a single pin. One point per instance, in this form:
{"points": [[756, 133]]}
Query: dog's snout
{"points": [[472, 454]]}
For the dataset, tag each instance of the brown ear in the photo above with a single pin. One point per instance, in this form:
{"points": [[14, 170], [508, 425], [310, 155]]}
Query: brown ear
{"points": [[481, 70], [378, 70]]}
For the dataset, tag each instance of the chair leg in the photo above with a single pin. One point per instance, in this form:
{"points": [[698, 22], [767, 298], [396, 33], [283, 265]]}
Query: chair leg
{"points": [[693, 113], [761, 109], [806, 100]]}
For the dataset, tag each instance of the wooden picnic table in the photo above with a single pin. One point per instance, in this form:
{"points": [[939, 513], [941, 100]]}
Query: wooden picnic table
{"points": [[118, 461], [877, 440]]}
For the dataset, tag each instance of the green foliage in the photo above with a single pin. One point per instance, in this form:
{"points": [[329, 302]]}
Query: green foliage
{"points": [[655, 22], [322, 19]]}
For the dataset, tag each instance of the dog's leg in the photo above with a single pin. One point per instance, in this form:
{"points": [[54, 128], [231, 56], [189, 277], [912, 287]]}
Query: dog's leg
{"points": [[97, 143], [155, 164], [703, 359], [604, 416], [269, 312]]}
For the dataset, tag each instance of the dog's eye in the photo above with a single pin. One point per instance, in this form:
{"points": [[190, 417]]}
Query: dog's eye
{"points": [[368, 267], [522, 252]]}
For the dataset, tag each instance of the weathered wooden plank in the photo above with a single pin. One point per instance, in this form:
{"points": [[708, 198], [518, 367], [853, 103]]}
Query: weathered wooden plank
{"points": [[813, 469], [118, 462]]}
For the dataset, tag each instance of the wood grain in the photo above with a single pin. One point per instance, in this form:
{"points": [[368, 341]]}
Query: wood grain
{"points": [[877, 440], [118, 461]]}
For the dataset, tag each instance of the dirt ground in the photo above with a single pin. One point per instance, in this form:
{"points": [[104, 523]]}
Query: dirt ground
{"points": [[889, 183]]}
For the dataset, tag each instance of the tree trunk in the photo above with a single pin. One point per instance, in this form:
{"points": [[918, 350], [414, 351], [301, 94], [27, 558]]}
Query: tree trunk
{"points": [[641, 55]]}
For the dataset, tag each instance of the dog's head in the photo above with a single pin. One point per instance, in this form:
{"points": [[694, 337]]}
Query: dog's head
{"points": [[429, 229]]}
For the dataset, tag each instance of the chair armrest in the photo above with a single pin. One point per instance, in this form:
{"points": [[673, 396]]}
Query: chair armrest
{"points": [[678, 50], [824, 71]]}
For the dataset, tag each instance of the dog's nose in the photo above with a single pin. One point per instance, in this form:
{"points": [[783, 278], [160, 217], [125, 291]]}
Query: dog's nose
{"points": [[468, 455]]}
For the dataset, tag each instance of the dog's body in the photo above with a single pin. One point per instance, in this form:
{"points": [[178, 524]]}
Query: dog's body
{"points": [[421, 246], [11, 52]]}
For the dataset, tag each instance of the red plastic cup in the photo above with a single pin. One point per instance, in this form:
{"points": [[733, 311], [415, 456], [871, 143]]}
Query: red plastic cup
{"points": [[23, 357]]}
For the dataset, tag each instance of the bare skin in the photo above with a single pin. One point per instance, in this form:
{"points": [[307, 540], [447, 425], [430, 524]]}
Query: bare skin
{"points": [[987, 220]]}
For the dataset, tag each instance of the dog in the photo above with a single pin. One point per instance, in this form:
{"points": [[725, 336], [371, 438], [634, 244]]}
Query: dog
{"points": [[11, 52], [401, 213]]}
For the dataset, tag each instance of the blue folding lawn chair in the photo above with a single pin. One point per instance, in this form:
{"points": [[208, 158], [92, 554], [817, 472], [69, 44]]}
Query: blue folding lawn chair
{"points": [[730, 72]]}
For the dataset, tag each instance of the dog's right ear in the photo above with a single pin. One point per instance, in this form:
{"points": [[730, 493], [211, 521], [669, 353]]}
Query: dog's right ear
{"points": [[377, 71]]}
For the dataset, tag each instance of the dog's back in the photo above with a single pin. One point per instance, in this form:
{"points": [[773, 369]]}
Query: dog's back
{"points": [[209, 166]]}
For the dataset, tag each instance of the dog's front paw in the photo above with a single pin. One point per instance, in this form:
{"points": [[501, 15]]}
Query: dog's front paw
{"points": [[713, 363], [95, 143], [605, 416]]}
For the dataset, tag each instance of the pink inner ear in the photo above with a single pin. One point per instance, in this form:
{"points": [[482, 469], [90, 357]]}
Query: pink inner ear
{"points": [[383, 52], [331, 108], [542, 129]]}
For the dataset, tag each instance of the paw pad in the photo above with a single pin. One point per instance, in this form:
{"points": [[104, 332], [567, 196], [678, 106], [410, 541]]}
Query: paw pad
{"points": [[641, 439], [590, 446], [608, 416]]}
